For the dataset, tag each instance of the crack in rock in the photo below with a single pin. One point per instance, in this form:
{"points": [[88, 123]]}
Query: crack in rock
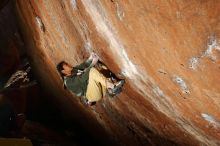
{"points": [[182, 84], [40, 23]]}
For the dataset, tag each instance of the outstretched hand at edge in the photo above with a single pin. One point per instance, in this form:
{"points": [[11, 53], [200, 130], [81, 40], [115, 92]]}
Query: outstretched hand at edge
{"points": [[94, 57]]}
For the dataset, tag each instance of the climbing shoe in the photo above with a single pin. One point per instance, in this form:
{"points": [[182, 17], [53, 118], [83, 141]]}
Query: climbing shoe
{"points": [[117, 88]]}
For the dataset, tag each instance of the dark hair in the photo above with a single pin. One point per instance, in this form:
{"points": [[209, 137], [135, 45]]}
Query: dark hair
{"points": [[60, 68]]}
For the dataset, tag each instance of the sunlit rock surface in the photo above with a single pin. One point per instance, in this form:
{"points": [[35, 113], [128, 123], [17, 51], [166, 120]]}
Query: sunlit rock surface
{"points": [[168, 52]]}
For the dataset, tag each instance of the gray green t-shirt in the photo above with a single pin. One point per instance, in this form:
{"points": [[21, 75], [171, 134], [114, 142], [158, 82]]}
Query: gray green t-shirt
{"points": [[78, 83]]}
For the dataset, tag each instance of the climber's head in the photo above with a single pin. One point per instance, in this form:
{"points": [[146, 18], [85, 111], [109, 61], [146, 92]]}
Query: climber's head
{"points": [[64, 68]]}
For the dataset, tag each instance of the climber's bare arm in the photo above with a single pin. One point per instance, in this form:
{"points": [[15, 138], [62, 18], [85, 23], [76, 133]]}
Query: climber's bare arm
{"points": [[95, 58]]}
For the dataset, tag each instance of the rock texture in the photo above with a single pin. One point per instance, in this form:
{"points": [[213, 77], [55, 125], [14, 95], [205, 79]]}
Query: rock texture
{"points": [[168, 52], [11, 45]]}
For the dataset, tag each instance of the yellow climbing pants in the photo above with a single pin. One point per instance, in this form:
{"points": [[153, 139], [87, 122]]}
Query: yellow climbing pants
{"points": [[96, 88]]}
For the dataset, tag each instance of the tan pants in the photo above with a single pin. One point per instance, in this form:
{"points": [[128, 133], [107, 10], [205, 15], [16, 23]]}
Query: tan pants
{"points": [[96, 86]]}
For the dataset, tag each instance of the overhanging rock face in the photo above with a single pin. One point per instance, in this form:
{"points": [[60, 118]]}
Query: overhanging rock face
{"points": [[168, 52]]}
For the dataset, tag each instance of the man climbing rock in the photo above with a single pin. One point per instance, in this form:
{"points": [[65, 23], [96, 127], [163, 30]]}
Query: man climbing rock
{"points": [[85, 80]]}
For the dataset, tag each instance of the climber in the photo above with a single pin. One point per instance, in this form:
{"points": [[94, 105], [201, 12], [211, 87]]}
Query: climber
{"points": [[86, 81]]}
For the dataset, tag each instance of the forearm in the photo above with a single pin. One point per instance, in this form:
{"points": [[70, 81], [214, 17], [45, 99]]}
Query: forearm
{"points": [[84, 65], [91, 61]]}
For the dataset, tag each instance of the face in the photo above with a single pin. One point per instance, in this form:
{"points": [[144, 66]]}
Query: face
{"points": [[67, 68]]}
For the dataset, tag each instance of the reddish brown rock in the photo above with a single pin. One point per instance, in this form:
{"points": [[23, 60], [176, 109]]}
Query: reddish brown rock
{"points": [[3, 3], [11, 45], [168, 52]]}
